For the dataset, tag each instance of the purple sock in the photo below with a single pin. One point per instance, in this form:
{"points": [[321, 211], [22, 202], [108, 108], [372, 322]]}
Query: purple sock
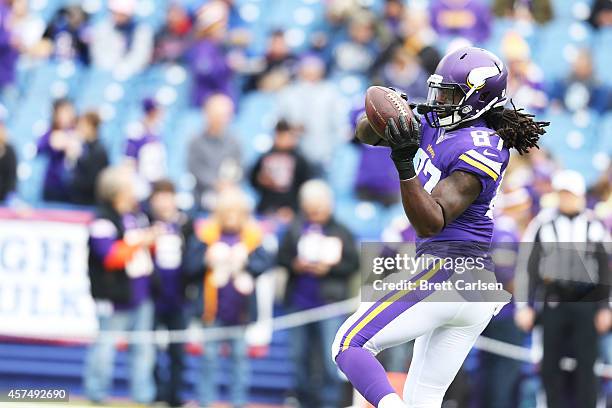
{"points": [[365, 373]]}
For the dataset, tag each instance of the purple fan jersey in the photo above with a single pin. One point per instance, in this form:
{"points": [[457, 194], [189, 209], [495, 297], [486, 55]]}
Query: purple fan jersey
{"points": [[103, 234], [477, 150]]}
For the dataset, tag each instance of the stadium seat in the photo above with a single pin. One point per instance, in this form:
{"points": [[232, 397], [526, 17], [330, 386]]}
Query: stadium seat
{"points": [[573, 140], [567, 10], [363, 218], [176, 136], [557, 45], [602, 55], [500, 28], [605, 134], [255, 123], [342, 179]]}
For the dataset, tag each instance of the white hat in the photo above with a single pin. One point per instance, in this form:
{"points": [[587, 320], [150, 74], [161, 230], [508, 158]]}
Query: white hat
{"points": [[569, 180], [127, 7]]}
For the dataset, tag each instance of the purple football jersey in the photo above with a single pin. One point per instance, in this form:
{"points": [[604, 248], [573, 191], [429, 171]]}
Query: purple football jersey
{"points": [[477, 150]]}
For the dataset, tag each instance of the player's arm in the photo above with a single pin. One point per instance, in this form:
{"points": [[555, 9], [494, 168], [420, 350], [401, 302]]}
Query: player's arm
{"points": [[428, 214], [365, 133]]}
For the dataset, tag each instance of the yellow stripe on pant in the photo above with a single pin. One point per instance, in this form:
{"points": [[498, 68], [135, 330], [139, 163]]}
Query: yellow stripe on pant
{"points": [[380, 308]]}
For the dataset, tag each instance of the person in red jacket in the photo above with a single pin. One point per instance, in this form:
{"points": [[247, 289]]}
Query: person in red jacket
{"points": [[120, 268]]}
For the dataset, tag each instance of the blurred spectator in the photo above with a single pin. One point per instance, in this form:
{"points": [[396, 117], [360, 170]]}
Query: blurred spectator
{"points": [[321, 257], [27, 31], [399, 230], [145, 152], [572, 281], [525, 78], [89, 158], [120, 268], [538, 10], [397, 359], [581, 89], [404, 72], [600, 196], [500, 375], [601, 14], [315, 104], [119, 42], [8, 165], [172, 40], [172, 248], [8, 48], [357, 53], [213, 158], [601, 190], [235, 21], [233, 257], [277, 65], [54, 144], [338, 12], [394, 14], [376, 180], [69, 33], [279, 174], [238, 30], [470, 19], [417, 38], [520, 195], [207, 59], [533, 173]]}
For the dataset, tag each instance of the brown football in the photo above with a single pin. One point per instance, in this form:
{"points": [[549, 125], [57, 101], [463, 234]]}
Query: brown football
{"points": [[381, 104]]}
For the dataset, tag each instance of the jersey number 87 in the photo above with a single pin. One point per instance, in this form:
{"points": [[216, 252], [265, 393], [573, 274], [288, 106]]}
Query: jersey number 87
{"points": [[424, 164]]}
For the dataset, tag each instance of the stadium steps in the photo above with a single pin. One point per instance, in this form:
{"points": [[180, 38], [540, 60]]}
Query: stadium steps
{"points": [[36, 365]]}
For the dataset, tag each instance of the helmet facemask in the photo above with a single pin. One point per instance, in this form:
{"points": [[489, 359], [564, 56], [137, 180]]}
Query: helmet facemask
{"points": [[444, 103], [448, 104]]}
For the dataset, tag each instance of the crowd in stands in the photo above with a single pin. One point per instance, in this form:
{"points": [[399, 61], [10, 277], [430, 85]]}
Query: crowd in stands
{"points": [[158, 259]]}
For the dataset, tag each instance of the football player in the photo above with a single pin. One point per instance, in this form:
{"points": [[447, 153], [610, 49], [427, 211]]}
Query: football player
{"points": [[450, 165]]}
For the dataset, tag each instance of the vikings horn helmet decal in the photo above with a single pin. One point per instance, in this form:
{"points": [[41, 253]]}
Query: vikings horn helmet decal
{"points": [[467, 83]]}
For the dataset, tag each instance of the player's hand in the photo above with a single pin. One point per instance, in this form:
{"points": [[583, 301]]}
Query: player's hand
{"points": [[149, 236], [300, 266], [603, 320], [525, 318], [404, 139], [320, 268]]}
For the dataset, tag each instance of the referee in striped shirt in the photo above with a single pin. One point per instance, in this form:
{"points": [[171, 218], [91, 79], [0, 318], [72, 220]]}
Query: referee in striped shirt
{"points": [[562, 283]]}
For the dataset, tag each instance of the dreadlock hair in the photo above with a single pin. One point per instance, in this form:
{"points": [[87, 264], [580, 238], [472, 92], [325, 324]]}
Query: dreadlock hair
{"points": [[516, 128]]}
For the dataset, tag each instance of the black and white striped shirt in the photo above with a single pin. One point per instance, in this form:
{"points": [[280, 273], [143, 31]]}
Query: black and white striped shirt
{"points": [[570, 251]]}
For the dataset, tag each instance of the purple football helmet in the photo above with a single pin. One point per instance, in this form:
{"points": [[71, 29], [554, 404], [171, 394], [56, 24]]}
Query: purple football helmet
{"points": [[467, 83]]}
